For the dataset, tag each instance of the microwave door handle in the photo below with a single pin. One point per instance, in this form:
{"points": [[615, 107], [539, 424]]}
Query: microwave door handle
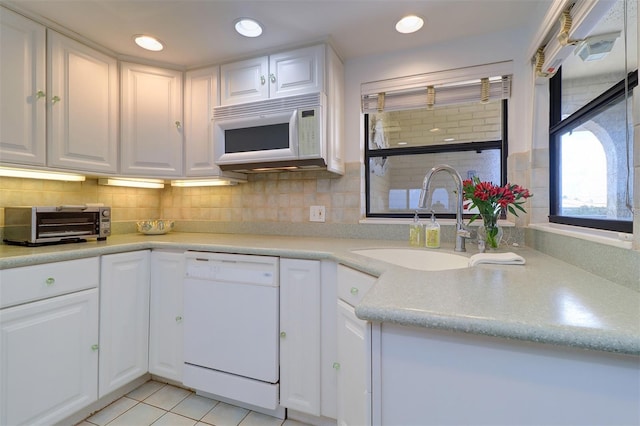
{"points": [[71, 207]]}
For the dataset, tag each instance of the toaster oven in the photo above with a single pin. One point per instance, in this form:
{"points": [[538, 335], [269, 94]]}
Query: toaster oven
{"points": [[33, 226]]}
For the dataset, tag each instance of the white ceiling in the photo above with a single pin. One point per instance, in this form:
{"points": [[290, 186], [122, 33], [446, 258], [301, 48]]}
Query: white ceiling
{"points": [[200, 32]]}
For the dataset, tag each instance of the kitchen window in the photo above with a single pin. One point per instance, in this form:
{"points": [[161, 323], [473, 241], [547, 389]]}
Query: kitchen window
{"points": [[591, 127], [413, 123], [591, 154], [401, 146]]}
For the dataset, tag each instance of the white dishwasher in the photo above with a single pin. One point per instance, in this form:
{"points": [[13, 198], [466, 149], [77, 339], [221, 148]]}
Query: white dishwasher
{"points": [[231, 326]]}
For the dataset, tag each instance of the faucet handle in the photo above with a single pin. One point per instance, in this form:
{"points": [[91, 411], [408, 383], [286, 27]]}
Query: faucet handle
{"points": [[464, 233]]}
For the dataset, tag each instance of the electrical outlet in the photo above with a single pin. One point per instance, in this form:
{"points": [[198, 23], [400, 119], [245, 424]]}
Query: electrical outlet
{"points": [[316, 214]]}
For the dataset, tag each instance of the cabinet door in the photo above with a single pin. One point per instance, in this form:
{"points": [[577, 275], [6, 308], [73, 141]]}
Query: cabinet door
{"points": [[165, 317], [354, 371], [244, 81], [151, 107], [201, 95], [300, 335], [49, 356], [83, 107], [22, 90], [124, 319], [296, 72]]}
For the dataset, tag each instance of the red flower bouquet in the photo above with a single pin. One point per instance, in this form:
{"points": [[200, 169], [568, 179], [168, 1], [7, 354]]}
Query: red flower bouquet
{"points": [[491, 200]]}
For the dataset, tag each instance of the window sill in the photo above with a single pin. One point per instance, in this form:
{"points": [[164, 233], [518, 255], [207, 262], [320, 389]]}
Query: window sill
{"points": [[616, 239], [403, 221]]}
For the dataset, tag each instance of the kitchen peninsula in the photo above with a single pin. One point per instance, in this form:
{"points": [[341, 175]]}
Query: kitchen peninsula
{"points": [[543, 307]]}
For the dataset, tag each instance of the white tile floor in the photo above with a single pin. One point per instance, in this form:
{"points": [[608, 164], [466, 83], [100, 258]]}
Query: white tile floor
{"points": [[159, 404]]}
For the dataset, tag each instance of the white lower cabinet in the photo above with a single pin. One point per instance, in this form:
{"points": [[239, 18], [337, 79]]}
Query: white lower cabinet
{"points": [[48, 347], [354, 350], [300, 335], [165, 316], [437, 377], [354, 374], [124, 319]]}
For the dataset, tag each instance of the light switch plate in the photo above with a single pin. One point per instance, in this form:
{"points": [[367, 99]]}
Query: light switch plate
{"points": [[316, 214]]}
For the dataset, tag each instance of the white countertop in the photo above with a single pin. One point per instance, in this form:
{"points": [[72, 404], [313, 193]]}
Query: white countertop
{"points": [[546, 300]]}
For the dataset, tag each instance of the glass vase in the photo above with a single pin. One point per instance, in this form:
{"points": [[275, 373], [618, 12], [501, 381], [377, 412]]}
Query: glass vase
{"points": [[490, 231]]}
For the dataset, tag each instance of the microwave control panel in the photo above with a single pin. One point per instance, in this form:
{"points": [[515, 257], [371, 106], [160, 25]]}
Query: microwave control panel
{"points": [[309, 132]]}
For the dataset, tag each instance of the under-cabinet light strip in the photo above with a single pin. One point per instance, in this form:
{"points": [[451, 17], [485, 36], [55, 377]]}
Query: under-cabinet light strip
{"points": [[132, 183], [38, 174], [202, 182]]}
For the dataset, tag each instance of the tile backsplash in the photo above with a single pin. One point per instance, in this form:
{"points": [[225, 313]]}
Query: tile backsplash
{"points": [[266, 197], [127, 203], [270, 197]]}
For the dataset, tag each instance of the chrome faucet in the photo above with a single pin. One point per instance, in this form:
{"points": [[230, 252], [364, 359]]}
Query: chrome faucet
{"points": [[461, 231]]}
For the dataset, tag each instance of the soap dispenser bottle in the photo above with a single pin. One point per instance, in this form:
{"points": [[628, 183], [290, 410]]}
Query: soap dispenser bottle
{"points": [[415, 232], [432, 232]]}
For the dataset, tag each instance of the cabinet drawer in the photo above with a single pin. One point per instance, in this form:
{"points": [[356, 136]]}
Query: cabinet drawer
{"points": [[353, 285], [29, 283]]}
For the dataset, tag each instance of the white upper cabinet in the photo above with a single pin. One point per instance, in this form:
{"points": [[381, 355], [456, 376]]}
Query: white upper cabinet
{"points": [[296, 72], [22, 90], [288, 73], [151, 113], [83, 107], [334, 88], [244, 81], [200, 96], [61, 112]]}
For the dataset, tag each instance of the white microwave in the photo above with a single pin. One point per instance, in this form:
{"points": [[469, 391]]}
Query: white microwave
{"points": [[275, 134]]}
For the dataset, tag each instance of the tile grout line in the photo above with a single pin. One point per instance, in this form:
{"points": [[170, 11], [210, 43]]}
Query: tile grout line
{"points": [[138, 402], [165, 411], [130, 408]]}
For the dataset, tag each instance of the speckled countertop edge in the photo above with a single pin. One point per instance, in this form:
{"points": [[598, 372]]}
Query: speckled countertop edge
{"points": [[545, 301]]}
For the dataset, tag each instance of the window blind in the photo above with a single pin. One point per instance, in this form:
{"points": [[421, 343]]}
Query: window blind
{"points": [[447, 87], [449, 94]]}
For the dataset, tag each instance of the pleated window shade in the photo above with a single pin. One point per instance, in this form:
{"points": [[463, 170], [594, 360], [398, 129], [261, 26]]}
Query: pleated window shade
{"points": [[449, 94]]}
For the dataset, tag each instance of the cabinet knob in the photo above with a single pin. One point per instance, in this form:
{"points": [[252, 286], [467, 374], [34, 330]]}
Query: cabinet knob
{"points": [[272, 78], [354, 290], [95, 347], [336, 366], [178, 125], [55, 99], [262, 80], [50, 281], [40, 94], [283, 334], [178, 318]]}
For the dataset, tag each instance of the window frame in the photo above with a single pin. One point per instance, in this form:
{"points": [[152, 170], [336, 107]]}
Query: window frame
{"points": [[433, 149], [558, 126]]}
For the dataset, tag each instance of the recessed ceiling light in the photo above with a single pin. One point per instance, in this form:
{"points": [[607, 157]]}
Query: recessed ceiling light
{"points": [[402, 143], [248, 27], [450, 139], [409, 24], [148, 42], [434, 130]]}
